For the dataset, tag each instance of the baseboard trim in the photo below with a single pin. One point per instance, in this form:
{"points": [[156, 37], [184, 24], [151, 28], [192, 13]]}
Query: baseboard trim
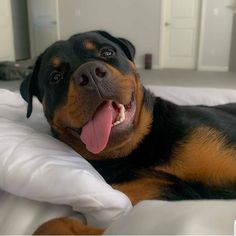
{"points": [[214, 68], [154, 67]]}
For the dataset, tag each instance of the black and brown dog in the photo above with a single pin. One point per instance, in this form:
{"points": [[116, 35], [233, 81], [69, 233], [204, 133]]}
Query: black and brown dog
{"points": [[144, 146]]}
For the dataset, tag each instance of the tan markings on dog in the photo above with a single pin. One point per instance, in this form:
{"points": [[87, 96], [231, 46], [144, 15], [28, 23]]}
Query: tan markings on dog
{"points": [[124, 83], [139, 100], [133, 66], [205, 157], [89, 44], [67, 226], [142, 121], [145, 188], [71, 112], [56, 62], [139, 92]]}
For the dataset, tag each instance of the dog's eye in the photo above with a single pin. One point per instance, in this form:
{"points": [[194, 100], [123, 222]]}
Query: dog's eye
{"points": [[107, 52], [55, 77]]}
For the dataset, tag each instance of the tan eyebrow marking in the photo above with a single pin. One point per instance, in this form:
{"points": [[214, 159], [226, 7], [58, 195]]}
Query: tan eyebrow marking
{"points": [[56, 61], [89, 44]]}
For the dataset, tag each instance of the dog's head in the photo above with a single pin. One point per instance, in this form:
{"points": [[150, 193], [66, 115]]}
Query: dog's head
{"points": [[91, 94]]}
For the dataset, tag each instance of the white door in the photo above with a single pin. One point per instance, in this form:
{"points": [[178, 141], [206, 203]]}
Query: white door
{"points": [[43, 24], [6, 32], [180, 33]]}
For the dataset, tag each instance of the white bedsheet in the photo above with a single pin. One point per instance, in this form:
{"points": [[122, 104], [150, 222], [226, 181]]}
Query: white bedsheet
{"points": [[22, 216], [184, 217]]}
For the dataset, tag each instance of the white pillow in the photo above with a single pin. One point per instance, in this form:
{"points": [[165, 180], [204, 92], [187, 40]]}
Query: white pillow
{"points": [[37, 166]]}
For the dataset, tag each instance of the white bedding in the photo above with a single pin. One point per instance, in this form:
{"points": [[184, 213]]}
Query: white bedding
{"points": [[22, 216], [184, 217]]}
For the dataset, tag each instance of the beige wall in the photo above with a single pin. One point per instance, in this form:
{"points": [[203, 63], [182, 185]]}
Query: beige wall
{"points": [[137, 20]]}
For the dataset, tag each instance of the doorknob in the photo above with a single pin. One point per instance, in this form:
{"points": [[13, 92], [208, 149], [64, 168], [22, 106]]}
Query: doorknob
{"points": [[167, 24]]}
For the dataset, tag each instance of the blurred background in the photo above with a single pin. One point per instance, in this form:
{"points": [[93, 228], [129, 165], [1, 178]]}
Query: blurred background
{"points": [[184, 42]]}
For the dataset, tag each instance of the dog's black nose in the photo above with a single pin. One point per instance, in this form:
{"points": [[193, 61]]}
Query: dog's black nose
{"points": [[91, 73]]}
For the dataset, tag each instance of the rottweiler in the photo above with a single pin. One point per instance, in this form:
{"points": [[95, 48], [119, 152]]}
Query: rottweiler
{"points": [[144, 146]]}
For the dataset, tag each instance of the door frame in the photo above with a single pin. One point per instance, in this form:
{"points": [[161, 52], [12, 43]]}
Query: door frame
{"points": [[13, 56], [200, 29], [11, 33], [201, 35], [30, 22]]}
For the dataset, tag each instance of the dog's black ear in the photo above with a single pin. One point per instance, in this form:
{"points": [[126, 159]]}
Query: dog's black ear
{"points": [[28, 87], [128, 48], [124, 44]]}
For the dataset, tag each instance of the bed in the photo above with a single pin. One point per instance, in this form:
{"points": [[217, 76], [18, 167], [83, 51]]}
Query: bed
{"points": [[30, 195]]}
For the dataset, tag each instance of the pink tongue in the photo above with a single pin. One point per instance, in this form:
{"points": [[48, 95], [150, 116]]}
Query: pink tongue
{"points": [[95, 134]]}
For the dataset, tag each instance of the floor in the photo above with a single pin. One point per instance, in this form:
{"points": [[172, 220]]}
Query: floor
{"points": [[189, 78], [171, 77]]}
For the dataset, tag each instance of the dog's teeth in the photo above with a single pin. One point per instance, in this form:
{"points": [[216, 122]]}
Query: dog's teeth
{"points": [[121, 116], [116, 123], [121, 106]]}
